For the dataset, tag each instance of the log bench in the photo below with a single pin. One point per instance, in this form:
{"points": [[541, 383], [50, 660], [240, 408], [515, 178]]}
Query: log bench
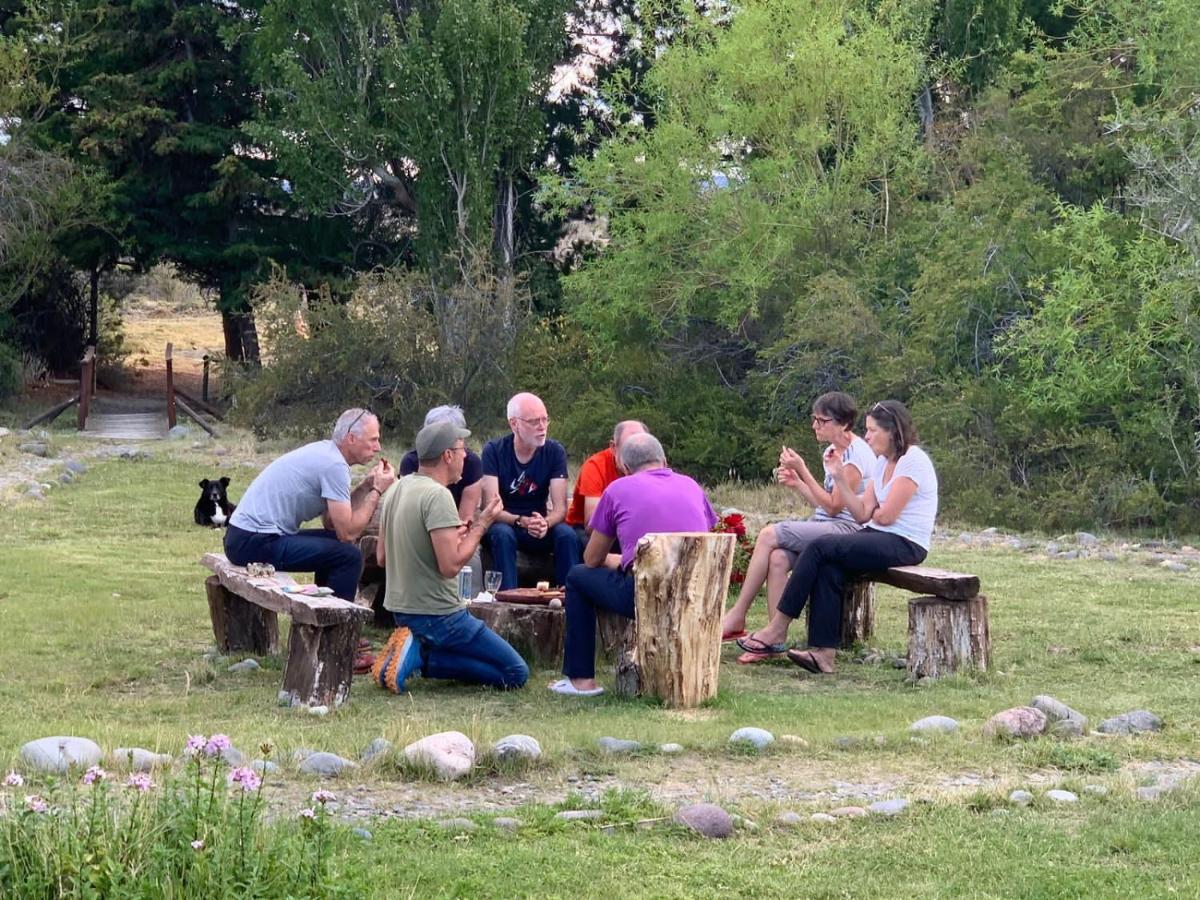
{"points": [[321, 641], [947, 628]]}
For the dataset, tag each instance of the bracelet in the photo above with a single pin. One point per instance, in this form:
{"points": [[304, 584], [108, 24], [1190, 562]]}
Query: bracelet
{"points": [[376, 490]]}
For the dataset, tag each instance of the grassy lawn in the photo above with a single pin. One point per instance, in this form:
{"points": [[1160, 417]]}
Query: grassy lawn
{"points": [[106, 626]]}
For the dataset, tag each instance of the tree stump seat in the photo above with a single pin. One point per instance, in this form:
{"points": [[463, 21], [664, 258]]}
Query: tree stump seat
{"points": [[322, 639], [947, 628]]}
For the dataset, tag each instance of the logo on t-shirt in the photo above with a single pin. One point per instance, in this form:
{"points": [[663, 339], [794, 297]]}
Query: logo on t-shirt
{"points": [[522, 485]]}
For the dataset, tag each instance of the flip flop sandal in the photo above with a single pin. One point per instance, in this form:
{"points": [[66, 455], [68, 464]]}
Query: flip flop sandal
{"points": [[748, 658], [805, 660], [730, 636], [751, 644]]}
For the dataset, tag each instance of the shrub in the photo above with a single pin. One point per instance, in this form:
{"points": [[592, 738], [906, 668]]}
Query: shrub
{"points": [[199, 834], [11, 371]]}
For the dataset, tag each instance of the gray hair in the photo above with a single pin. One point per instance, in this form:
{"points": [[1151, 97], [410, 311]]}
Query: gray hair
{"points": [[641, 451], [451, 414], [622, 427], [352, 421]]}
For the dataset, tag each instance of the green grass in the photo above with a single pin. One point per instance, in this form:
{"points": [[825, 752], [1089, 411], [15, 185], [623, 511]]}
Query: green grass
{"points": [[106, 626]]}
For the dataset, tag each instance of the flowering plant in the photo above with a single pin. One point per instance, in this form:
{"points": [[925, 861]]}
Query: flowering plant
{"points": [[735, 523]]}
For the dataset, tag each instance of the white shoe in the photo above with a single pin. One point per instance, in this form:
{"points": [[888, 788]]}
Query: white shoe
{"points": [[563, 686]]}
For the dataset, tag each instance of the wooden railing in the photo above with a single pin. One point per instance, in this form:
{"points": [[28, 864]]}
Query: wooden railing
{"points": [[87, 386]]}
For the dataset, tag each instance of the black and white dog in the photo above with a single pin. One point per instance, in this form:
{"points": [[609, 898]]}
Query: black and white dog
{"points": [[213, 508]]}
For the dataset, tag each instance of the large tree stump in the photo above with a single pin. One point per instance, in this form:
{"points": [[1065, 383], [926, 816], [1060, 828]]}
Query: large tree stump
{"points": [[945, 636], [239, 624], [617, 643], [536, 632], [320, 662], [680, 584]]}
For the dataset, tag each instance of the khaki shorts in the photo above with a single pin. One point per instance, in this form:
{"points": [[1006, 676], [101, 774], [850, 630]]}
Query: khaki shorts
{"points": [[794, 536]]}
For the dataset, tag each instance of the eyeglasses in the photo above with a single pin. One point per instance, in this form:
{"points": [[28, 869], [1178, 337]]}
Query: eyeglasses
{"points": [[363, 412], [821, 420], [462, 448], [541, 420]]}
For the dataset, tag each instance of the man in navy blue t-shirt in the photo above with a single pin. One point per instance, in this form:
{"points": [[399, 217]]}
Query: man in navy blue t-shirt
{"points": [[526, 469]]}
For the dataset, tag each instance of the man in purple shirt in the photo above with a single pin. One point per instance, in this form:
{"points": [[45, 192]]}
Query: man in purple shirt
{"points": [[651, 498]]}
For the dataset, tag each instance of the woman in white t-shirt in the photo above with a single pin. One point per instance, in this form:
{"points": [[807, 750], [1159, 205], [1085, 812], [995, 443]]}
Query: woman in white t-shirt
{"points": [[779, 545], [898, 507]]}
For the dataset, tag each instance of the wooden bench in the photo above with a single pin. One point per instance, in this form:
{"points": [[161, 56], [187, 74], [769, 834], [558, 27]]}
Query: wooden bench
{"points": [[947, 629], [321, 641]]}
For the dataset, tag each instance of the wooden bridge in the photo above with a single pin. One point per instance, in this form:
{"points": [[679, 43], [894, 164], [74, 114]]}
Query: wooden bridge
{"points": [[131, 418]]}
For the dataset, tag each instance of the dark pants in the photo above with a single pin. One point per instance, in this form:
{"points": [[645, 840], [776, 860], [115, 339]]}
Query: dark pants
{"points": [[505, 540], [335, 564], [459, 647], [821, 571], [588, 590]]}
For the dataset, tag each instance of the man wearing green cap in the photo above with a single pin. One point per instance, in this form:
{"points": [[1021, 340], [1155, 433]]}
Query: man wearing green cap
{"points": [[423, 544]]}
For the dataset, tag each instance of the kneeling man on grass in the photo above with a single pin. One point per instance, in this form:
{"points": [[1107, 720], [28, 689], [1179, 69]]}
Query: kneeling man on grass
{"points": [[423, 544], [651, 498]]}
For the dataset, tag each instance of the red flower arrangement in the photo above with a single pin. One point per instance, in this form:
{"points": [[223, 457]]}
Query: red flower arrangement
{"points": [[735, 524]]}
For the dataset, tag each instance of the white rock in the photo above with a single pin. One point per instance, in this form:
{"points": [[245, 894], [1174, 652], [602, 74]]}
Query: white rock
{"points": [[449, 753], [671, 748], [1021, 798], [517, 746], [1059, 796], [58, 754], [944, 724], [822, 817], [137, 759], [759, 738]]}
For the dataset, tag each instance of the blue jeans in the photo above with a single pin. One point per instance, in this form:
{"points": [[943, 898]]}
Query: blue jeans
{"points": [[590, 589], [459, 647], [335, 564], [505, 540]]}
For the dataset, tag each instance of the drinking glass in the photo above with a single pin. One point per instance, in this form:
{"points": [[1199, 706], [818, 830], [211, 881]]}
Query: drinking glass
{"points": [[491, 581]]}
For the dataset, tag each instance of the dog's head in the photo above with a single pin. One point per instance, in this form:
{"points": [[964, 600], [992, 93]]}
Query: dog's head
{"points": [[214, 490]]}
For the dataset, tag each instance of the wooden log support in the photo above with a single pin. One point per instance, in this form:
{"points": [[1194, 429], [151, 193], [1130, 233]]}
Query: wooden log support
{"points": [[238, 624], [87, 386], [320, 663], [680, 584], [858, 613], [617, 644], [51, 414], [170, 386], [536, 632], [204, 380], [194, 416], [946, 636]]}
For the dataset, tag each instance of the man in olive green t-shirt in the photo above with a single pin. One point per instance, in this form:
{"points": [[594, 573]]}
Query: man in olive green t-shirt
{"points": [[423, 544]]}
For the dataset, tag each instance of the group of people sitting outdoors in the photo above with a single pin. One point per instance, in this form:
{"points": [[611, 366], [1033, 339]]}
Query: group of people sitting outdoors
{"points": [[874, 508]]}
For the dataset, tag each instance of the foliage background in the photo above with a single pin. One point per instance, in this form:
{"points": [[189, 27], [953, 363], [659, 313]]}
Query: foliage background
{"points": [[696, 213]]}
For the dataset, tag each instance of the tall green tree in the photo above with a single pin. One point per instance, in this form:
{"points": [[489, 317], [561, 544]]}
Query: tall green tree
{"points": [[156, 94], [427, 113]]}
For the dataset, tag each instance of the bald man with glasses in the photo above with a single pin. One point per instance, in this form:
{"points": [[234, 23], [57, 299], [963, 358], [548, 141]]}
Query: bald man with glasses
{"points": [[528, 471]]}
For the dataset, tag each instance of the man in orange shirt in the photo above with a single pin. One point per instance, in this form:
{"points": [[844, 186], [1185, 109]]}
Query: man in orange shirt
{"points": [[597, 472]]}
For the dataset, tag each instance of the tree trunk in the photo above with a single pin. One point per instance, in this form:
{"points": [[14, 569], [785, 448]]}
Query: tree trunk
{"points": [[680, 585], [945, 636], [94, 308], [858, 613], [239, 624], [241, 336]]}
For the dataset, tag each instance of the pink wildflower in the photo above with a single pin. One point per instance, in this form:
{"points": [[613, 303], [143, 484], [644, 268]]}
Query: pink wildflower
{"points": [[323, 797], [195, 743], [308, 813], [35, 803], [246, 777], [13, 779], [197, 845], [94, 774], [141, 781], [217, 744]]}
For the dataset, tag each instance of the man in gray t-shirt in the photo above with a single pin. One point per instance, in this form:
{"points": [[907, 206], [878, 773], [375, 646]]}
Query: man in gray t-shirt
{"points": [[312, 481]]}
